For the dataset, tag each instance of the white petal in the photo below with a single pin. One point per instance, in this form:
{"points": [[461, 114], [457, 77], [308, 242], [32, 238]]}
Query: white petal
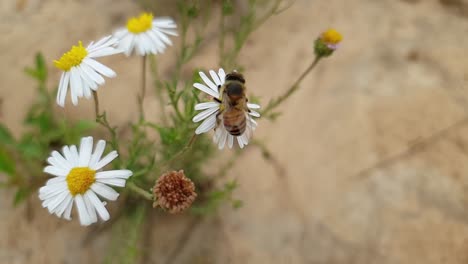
{"points": [[75, 88], [165, 22], [86, 146], [123, 174], [57, 201], [168, 31], [208, 82], [55, 171], [254, 113], [100, 146], [93, 75], [127, 44], [253, 106], [74, 153], [62, 89], [64, 205], [101, 210], [157, 43], [204, 114], [56, 180], [222, 140], [218, 132], [100, 68], [106, 160], [86, 77], [215, 78], [101, 43], [205, 89], [105, 191], [113, 182], [239, 140], [222, 75], [52, 161], [50, 193], [67, 213], [85, 218], [163, 37], [107, 51], [76, 85], [121, 33], [230, 141], [90, 207], [202, 106], [206, 125]]}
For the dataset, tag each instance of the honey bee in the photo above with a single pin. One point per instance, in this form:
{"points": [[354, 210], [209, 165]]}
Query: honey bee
{"points": [[233, 104]]}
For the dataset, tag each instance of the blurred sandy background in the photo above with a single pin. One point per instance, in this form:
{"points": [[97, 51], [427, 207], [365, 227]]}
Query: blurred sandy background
{"points": [[374, 146]]}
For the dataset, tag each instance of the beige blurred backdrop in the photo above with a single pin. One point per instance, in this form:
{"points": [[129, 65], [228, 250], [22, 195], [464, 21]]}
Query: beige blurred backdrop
{"points": [[371, 153]]}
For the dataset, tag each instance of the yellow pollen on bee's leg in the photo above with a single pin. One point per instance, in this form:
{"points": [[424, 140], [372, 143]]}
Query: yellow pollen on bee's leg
{"points": [[72, 58], [140, 24], [80, 179]]}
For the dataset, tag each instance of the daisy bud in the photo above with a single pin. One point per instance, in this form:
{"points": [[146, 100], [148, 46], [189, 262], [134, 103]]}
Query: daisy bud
{"points": [[327, 43], [174, 192]]}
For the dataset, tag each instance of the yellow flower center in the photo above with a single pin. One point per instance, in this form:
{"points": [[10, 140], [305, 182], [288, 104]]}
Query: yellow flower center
{"points": [[80, 179], [331, 36], [71, 58], [140, 24]]}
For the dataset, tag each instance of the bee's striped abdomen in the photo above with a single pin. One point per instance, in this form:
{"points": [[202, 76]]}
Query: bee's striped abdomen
{"points": [[235, 121]]}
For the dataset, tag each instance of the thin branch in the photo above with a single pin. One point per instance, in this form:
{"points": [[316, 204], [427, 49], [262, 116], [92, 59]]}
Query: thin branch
{"points": [[411, 150]]}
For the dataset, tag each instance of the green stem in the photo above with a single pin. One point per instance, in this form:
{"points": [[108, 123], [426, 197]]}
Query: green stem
{"points": [[138, 190], [143, 88], [279, 100], [102, 120], [180, 153], [96, 105]]}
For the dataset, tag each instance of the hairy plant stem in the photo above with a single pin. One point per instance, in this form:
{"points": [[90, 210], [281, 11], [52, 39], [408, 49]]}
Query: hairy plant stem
{"points": [[169, 162], [274, 103], [102, 120], [141, 96], [140, 191], [96, 105]]}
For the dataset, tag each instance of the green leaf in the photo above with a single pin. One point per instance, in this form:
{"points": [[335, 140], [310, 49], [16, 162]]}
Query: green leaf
{"points": [[236, 204], [168, 135], [30, 147], [5, 136], [41, 68], [7, 163], [20, 195]]}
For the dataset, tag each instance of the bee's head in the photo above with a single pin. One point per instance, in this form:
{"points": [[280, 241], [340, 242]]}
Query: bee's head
{"points": [[235, 76], [234, 89]]}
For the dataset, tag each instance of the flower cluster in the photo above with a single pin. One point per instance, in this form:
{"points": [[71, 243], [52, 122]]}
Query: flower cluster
{"points": [[82, 73], [77, 172]]}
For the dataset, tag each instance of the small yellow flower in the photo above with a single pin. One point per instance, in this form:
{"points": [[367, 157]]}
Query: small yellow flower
{"points": [[82, 73], [327, 43], [140, 24], [146, 34], [331, 36], [72, 58]]}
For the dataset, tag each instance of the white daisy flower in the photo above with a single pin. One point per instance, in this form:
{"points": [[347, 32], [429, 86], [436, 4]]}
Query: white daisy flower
{"points": [[211, 109], [77, 179], [82, 72], [146, 35]]}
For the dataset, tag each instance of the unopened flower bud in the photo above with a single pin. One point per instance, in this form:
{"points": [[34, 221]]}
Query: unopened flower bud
{"points": [[327, 43]]}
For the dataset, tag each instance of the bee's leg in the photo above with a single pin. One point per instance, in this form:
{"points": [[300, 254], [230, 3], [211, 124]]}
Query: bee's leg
{"points": [[216, 99]]}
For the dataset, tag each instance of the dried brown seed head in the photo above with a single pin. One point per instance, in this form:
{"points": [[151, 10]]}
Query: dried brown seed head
{"points": [[174, 192]]}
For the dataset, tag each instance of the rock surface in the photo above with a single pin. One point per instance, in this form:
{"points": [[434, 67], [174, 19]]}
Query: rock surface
{"points": [[374, 146]]}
